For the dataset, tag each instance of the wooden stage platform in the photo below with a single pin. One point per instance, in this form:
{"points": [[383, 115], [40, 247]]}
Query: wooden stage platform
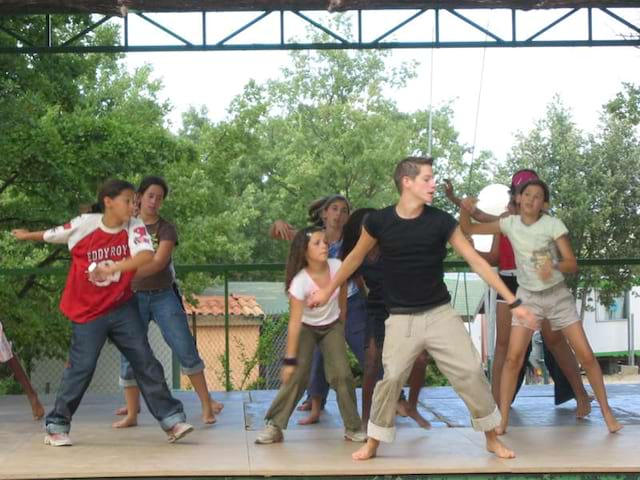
{"points": [[547, 440]]}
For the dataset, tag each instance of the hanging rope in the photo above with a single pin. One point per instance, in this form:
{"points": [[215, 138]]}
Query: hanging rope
{"points": [[470, 174], [430, 129], [477, 119]]}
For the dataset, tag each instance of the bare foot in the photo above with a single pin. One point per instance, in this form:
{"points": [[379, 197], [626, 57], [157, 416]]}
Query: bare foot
{"points": [[216, 407], [36, 408], [584, 406], [403, 408], [304, 406], [126, 422], [496, 447], [501, 429], [367, 451], [310, 420], [208, 416], [422, 422], [612, 423], [121, 411]]}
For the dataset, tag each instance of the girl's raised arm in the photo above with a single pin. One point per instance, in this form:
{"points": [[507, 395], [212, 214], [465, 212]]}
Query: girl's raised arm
{"points": [[476, 228], [59, 234], [281, 230], [23, 234]]}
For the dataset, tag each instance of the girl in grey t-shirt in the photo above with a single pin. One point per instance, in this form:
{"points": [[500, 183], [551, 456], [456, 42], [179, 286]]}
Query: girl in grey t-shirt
{"points": [[543, 254]]}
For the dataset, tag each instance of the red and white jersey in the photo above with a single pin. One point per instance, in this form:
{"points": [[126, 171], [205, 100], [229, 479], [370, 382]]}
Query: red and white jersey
{"points": [[90, 241]]}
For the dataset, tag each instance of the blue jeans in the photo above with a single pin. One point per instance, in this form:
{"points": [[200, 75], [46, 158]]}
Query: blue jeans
{"points": [[165, 308], [124, 328], [354, 333]]}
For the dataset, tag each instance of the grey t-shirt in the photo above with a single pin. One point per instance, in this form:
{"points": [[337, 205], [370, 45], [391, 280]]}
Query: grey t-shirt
{"points": [[159, 231], [533, 245]]}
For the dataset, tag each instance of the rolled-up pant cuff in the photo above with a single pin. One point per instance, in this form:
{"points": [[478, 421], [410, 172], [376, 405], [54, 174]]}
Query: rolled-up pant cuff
{"points": [[52, 428], [126, 382], [172, 420], [488, 423], [383, 434], [192, 370]]}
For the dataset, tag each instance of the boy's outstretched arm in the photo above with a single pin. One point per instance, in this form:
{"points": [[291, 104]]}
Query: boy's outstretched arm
{"points": [[350, 265], [343, 302], [482, 268]]}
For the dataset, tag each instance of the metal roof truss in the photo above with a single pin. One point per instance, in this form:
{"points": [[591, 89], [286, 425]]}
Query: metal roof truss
{"points": [[504, 31]]}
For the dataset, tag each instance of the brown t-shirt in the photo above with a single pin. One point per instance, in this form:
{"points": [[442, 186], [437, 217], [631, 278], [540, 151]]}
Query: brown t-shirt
{"points": [[159, 231]]}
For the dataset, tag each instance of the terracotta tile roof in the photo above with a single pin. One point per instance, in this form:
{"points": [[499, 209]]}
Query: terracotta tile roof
{"points": [[239, 305]]}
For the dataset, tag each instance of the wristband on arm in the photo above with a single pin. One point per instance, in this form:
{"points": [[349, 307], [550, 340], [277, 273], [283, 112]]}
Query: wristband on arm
{"points": [[516, 303], [290, 361]]}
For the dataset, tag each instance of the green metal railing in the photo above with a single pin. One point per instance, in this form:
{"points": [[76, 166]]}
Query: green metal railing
{"points": [[226, 270]]}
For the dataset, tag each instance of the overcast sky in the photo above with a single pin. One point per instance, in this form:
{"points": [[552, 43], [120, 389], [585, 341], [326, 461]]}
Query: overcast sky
{"points": [[516, 87]]}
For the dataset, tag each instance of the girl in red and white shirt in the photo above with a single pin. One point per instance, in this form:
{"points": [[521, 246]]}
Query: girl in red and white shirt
{"points": [[106, 250]]}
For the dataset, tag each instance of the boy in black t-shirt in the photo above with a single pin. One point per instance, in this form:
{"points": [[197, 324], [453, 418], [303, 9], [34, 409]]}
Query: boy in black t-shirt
{"points": [[412, 238]]}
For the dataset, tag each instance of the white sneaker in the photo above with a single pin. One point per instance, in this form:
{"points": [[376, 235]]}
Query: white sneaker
{"points": [[270, 434], [359, 436], [58, 440], [178, 431]]}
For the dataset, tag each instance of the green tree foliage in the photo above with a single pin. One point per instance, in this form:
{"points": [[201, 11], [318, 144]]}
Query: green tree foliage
{"points": [[326, 126], [595, 185], [626, 106], [68, 123]]}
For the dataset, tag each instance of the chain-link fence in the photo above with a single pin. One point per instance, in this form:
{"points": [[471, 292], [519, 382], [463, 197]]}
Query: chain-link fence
{"points": [[46, 373], [258, 315], [255, 349]]}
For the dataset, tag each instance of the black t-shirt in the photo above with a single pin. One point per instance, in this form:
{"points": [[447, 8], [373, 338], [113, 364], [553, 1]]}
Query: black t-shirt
{"points": [[413, 251], [373, 274]]}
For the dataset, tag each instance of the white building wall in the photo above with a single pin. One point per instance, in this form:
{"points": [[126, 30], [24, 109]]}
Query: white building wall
{"points": [[612, 335]]}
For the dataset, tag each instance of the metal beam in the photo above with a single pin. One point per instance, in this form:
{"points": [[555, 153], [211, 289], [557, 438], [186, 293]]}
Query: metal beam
{"points": [[628, 20], [122, 7]]}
